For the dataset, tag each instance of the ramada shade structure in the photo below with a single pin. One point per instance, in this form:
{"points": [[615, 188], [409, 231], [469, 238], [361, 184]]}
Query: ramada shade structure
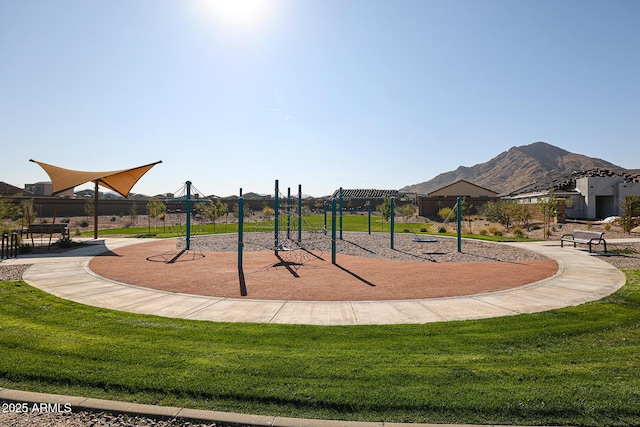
{"points": [[120, 181]]}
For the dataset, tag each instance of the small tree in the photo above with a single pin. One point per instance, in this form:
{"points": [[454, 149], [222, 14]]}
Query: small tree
{"points": [[503, 212], [385, 210], [630, 208], [155, 208], [7, 212], [466, 211], [29, 213], [268, 212], [549, 209], [133, 213], [522, 215], [236, 211], [406, 211], [89, 208], [215, 210]]}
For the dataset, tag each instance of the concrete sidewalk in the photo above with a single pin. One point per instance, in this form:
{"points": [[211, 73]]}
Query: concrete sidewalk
{"points": [[580, 278]]}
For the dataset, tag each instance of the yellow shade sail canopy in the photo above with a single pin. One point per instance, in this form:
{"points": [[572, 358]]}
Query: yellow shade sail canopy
{"points": [[121, 181]]}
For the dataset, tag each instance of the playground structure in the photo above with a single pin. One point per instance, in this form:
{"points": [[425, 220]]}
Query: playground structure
{"points": [[188, 198], [287, 229], [285, 225], [336, 216]]}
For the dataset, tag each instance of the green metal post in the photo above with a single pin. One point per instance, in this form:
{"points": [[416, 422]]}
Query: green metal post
{"points": [[240, 229], [369, 221], [324, 205], [188, 215], [276, 222], [393, 219], [288, 212], [299, 213], [340, 213], [333, 231], [459, 220]]}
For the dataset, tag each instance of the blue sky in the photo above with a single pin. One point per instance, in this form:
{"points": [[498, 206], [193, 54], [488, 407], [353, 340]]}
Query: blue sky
{"points": [[323, 93]]}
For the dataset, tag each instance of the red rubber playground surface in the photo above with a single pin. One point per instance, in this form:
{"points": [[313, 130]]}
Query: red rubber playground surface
{"points": [[309, 277]]}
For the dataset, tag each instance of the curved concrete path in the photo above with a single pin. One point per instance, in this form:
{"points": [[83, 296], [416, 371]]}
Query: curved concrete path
{"points": [[580, 278]]}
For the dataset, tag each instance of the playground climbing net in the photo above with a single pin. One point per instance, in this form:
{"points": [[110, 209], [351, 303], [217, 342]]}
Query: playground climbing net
{"points": [[187, 204]]}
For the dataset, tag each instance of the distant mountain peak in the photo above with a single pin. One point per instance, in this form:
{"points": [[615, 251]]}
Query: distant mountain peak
{"points": [[516, 168]]}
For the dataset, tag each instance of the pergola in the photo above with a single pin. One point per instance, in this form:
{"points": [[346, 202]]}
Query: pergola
{"points": [[120, 181]]}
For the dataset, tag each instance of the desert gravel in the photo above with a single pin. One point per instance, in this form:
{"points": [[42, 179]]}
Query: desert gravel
{"points": [[88, 418], [377, 245]]}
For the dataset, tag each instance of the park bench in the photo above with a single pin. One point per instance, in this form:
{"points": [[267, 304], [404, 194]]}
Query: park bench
{"points": [[584, 237], [44, 228]]}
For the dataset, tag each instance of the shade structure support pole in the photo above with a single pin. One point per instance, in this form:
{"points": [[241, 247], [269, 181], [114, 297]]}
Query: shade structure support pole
{"points": [[95, 210]]}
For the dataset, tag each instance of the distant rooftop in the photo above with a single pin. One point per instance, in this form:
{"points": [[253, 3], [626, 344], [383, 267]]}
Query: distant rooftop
{"points": [[367, 193], [11, 190]]}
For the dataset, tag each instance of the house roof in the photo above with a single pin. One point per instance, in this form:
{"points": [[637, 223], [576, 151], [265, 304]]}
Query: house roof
{"points": [[120, 181], [366, 193], [11, 190], [465, 181]]}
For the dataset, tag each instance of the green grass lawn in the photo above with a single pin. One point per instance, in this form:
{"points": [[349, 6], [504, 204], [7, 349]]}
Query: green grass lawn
{"points": [[575, 366]]}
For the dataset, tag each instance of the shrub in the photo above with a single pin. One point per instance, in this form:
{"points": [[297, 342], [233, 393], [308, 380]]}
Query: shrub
{"points": [[607, 227], [113, 219], [518, 232], [494, 230], [64, 242], [84, 223], [483, 232], [589, 225], [424, 229], [442, 229], [25, 248], [506, 213], [624, 251], [444, 213]]}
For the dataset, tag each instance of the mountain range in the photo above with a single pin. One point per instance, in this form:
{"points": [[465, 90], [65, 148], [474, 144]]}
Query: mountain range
{"points": [[517, 168]]}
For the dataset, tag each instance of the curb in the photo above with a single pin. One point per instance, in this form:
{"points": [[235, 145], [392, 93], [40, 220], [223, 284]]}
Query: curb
{"points": [[61, 403]]}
